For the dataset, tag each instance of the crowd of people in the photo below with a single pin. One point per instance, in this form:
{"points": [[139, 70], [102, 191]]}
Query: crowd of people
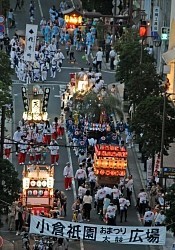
{"points": [[36, 141]]}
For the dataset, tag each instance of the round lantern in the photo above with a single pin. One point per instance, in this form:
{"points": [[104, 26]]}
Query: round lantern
{"points": [[102, 172], [44, 183], [33, 183], [40, 192], [46, 193], [108, 172], [97, 172], [38, 183], [35, 192], [112, 172], [29, 192]]}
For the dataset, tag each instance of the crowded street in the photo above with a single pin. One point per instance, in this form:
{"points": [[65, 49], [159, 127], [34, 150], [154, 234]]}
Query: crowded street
{"points": [[69, 152]]}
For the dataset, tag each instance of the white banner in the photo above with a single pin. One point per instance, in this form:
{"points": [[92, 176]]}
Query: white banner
{"points": [[149, 175], [102, 233], [30, 42]]}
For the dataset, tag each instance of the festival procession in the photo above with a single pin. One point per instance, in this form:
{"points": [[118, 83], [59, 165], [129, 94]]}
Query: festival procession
{"points": [[70, 141]]}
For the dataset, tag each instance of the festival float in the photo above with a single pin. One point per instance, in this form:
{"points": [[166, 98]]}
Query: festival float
{"points": [[35, 103], [110, 163], [38, 183], [72, 18]]}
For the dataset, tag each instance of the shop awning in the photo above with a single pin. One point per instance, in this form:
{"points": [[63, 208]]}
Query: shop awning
{"points": [[169, 56]]}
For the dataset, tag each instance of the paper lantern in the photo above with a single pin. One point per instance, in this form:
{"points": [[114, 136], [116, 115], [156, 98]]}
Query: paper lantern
{"points": [[108, 172], [44, 183], [46, 193], [40, 192], [38, 183], [29, 192], [35, 192], [102, 172], [33, 183]]}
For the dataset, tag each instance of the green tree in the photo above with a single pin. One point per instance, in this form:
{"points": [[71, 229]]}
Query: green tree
{"points": [[9, 183], [147, 121], [140, 78], [170, 215], [5, 79], [104, 7], [92, 105], [143, 81]]}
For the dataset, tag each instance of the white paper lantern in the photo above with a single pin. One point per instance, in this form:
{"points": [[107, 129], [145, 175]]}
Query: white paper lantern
{"points": [[38, 183]]}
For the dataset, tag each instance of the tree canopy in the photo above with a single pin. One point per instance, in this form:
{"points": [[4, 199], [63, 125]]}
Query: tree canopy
{"points": [[147, 120], [9, 183], [5, 79], [140, 76], [93, 105], [170, 214]]}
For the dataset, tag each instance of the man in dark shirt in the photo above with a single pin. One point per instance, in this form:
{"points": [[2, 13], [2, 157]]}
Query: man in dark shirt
{"points": [[6, 40]]}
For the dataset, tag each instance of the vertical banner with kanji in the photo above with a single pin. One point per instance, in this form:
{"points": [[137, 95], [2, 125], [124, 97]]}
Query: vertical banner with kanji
{"points": [[102, 233], [30, 42]]}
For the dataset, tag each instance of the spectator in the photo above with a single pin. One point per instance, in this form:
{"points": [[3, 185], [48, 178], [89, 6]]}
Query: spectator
{"points": [[99, 58], [18, 218], [112, 55], [17, 5], [87, 203], [159, 219], [129, 188]]}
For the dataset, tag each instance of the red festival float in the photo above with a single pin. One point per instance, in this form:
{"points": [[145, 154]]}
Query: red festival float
{"points": [[110, 163]]}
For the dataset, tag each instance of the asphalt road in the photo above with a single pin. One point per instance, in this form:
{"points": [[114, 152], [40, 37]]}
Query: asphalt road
{"points": [[56, 85]]}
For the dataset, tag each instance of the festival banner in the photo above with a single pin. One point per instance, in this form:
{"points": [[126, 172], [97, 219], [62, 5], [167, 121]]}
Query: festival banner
{"points": [[30, 42], [100, 233]]}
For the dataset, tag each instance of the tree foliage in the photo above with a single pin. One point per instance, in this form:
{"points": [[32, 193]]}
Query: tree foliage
{"points": [[140, 76], [104, 7], [9, 183], [170, 214], [5, 79], [147, 120], [93, 105]]}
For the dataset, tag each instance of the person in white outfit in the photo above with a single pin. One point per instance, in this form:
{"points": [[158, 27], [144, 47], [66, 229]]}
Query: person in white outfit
{"points": [[54, 151], [53, 68], [68, 175], [80, 175], [148, 218]]}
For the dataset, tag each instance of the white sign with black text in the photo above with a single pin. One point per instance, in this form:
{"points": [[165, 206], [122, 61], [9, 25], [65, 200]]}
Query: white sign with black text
{"points": [[30, 42], [101, 233]]}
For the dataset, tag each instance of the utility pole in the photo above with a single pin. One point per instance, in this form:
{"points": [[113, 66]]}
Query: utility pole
{"points": [[2, 131], [114, 21]]}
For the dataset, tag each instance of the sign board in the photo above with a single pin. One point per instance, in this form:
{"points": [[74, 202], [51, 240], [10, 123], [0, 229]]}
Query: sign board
{"points": [[165, 33], [2, 28], [156, 12], [134, 235], [2, 19], [169, 172], [30, 42]]}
